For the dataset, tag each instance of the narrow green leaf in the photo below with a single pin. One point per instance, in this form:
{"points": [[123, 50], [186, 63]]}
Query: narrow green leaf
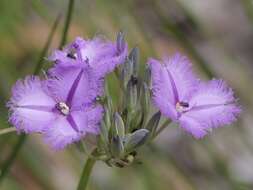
{"points": [[67, 23], [7, 130], [46, 46], [10, 159]]}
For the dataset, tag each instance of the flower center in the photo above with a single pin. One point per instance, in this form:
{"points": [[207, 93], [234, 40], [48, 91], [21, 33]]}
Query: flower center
{"points": [[63, 108], [72, 53], [181, 106]]}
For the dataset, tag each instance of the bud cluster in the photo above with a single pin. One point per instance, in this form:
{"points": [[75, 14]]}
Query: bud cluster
{"points": [[125, 128]]}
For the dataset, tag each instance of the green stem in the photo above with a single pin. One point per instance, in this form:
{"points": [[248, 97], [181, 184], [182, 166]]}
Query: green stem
{"points": [[86, 174], [7, 130], [10, 159], [67, 23], [21, 140], [162, 127], [46, 46]]}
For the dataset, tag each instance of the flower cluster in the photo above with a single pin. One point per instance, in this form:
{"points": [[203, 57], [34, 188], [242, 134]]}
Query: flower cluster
{"points": [[72, 100], [63, 106]]}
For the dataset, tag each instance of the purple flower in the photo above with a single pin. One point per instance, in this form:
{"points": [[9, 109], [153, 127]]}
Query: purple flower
{"points": [[196, 106], [99, 54], [58, 108]]}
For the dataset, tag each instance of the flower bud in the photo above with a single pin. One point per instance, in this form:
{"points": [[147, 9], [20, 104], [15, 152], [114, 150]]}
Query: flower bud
{"points": [[107, 118], [147, 76], [127, 72], [119, 125], [132, 94], [153, 123], [103, 137], [145, 100], [120, 42], [136, 139], [117, 147], [134, 58]]}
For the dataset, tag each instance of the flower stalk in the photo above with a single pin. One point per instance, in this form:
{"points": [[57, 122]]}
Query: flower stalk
{"points": [[86, 174], [7, 130]]}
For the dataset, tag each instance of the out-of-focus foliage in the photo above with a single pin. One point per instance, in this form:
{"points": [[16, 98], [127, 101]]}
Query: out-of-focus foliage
{"points": [[216, 35]]}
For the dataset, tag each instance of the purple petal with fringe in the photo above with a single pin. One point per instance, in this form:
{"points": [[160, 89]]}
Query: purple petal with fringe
{"points": [[55, 107]]}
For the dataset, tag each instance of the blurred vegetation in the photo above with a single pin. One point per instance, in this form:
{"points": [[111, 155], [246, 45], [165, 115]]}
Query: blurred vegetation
{"points": [[216, 35]]}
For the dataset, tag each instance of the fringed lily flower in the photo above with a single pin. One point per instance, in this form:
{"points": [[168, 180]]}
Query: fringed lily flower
{"points": [[59, 109], [99, 54], [197, 107]]}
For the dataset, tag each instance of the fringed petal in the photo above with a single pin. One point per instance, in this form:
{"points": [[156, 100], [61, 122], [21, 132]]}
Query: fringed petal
{"points": [[31, 108], [212, 105]]}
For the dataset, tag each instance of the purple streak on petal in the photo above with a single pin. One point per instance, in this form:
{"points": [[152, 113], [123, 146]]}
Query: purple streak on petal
{"points": [[212, 106], [37, 108], [173, 85], [162, 93], [72, 122], [73, 88], [206, 106], [86, 92], [61, 134], [180, 70]]}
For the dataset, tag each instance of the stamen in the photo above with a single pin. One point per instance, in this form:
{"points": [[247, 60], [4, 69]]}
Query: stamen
{"points": [[63, 108], [181, 106], [72, 54], [184, 104]]}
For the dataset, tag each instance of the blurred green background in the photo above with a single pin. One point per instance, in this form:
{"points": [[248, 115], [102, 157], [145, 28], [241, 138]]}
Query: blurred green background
{"points": [[217, 36]]}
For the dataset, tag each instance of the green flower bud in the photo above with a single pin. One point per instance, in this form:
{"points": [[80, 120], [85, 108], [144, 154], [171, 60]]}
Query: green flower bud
{"points": [[136, 139], [153, 123]]}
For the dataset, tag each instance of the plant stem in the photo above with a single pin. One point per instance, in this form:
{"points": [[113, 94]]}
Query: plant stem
{"points": [[7, 130], [10, 159], [86, 174], [21, 140], [67, 23], [162, 127], [46, 46]]}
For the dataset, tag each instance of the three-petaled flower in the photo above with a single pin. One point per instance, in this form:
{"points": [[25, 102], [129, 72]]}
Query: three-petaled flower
{"points": [[180, 96], [60, 114]]}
